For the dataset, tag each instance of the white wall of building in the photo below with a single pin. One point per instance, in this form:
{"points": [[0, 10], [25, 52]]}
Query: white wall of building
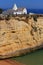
{"points": [[24, 11]]}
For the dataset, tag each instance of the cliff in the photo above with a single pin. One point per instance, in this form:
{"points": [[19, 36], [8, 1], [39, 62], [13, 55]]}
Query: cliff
{"points": [[20, 35]]}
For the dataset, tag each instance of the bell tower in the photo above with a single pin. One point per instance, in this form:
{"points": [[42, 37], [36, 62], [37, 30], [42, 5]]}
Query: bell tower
{"points": [[15, 7]]}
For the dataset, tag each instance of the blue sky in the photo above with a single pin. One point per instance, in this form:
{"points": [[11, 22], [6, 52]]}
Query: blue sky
{"points": [[34, 4]]}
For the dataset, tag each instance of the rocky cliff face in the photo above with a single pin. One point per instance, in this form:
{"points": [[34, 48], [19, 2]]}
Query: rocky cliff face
{"points": [[20, 35]]}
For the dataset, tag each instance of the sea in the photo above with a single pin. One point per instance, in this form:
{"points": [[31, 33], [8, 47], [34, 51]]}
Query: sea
{"points": [[33, 58], [36, 11]]}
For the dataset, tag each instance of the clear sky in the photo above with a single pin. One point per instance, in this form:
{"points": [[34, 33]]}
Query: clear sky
{"points": [[34, 4]]}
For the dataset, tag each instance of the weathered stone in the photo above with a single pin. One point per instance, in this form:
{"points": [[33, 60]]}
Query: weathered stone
{"points": [[19, 37]]}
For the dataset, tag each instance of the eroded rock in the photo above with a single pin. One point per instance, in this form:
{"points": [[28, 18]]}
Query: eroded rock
{"points": [[18, 37]]}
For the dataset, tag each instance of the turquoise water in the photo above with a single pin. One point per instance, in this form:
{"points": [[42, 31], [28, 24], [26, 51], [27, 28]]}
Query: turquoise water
{"points": [[34, 58]]}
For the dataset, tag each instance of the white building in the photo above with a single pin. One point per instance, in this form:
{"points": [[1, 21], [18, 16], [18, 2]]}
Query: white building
{"points": [[31, 13], [19, 10], [15, 11]]}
